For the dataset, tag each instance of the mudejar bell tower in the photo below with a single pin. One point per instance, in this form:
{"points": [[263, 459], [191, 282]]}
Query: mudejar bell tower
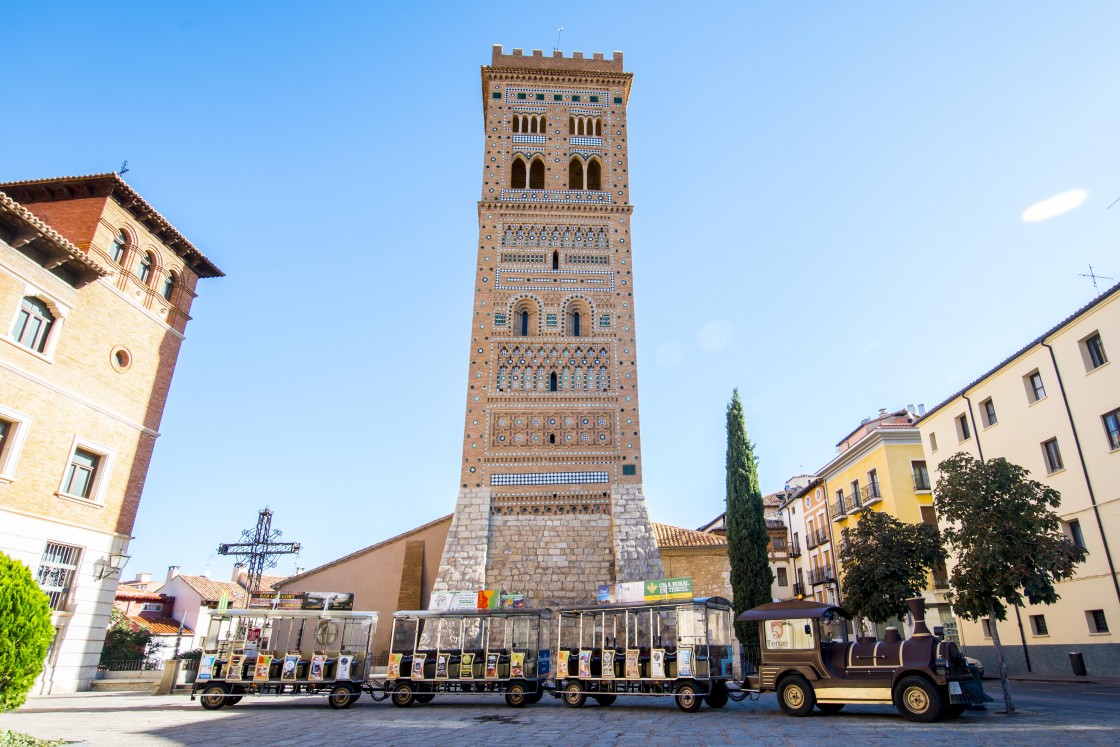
{"points": [[550, 499]]}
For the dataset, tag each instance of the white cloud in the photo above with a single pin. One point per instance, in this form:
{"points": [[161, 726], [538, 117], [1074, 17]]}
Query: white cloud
{"points": [[1054, 206], [669, 354], [715, 336]]}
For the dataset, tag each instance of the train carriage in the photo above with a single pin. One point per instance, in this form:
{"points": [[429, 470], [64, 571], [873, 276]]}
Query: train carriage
{"points": [[500, 651], [679, 648], [284, 652]]}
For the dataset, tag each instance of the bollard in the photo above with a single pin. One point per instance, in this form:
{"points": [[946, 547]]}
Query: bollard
{"points": [[1077, 660]]}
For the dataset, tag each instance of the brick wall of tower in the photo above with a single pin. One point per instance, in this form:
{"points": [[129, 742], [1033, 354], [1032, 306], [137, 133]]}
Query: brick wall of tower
{"points": [[552, 432]]}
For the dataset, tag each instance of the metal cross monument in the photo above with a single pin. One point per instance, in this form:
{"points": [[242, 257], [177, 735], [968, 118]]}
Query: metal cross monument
{"points": [[259, 549]]}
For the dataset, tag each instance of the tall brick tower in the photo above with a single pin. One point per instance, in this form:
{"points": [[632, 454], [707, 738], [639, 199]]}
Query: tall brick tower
{"points": [[550, 500]]}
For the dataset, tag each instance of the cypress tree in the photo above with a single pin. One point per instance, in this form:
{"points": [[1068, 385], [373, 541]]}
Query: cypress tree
{"points": [[747, 537], [25, 632]]}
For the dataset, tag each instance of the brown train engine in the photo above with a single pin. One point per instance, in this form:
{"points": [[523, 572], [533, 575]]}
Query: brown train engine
{"points": [[924, 677]]}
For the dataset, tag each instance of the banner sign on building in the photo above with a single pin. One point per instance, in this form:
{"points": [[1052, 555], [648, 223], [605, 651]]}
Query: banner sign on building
{"points": [[328, 600], [668, 588]]}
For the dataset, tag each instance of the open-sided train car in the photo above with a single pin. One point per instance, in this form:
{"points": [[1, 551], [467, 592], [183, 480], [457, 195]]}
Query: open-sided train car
{"points": [[925, 677], [680, 648], [499, 651], [284, 652]]}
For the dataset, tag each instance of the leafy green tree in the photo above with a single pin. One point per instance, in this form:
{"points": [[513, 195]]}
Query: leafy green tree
{"points": [[886, 562], [25, 632], [747, 537], [124, 641], [1006, 539]]}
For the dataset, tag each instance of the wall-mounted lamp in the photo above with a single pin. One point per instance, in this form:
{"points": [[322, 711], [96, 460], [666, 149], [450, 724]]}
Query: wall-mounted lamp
{"points": [[113, 565]]}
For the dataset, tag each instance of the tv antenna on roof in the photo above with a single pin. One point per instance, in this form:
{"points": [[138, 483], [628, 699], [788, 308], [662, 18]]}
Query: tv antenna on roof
{"points": [[1095, 277], [558, 32], [124, 168]]}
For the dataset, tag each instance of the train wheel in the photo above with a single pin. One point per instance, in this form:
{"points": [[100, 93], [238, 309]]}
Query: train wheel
{"points": [[688, 700], [604, 700], [830, 708], [795, 696], [516, 697], [718, 697], [213, 697], [573, 698], [403, 695], [917, 699], [340, 697]]}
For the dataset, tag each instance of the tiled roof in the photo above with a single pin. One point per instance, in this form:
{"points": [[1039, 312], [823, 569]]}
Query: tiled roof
{"points": [[159, 625], [131, 200], [211, 590], [135, 595], [10, 206], [1037, 341], [670, 536]]}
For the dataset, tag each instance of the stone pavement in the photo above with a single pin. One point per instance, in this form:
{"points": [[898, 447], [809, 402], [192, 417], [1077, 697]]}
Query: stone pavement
{"points": [[111, 720]]}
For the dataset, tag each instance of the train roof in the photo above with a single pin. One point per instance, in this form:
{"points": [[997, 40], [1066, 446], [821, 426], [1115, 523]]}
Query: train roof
{"points": [[795, 608], [718, 602], [500, 612], [325, 614]]}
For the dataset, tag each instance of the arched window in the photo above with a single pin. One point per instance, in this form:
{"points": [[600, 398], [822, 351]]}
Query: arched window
{"points": [[33, 324], [169, 285], [552, 382], [571, 125], [594, 174], [516, 123], [575, 324], [598, 128], [144, 267], [120, 244], [552, 438], [536, 174], [544, 124], [523, 324], [556, 260], [575, 174], [517, 178]]}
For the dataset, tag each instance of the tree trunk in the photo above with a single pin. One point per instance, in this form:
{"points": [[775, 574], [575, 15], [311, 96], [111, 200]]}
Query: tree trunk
{"points": [[1008, 705]]}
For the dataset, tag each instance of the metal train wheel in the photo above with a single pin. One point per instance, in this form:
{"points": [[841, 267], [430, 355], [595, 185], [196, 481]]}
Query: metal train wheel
{"points": [[213, 697], [572, 697]]}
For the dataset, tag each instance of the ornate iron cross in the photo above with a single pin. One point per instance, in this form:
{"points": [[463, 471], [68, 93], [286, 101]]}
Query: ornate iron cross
{"points": [[259, 549]]}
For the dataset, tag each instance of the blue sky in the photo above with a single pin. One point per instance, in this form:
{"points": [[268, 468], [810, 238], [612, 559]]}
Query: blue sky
{"points": [[828, 196]]}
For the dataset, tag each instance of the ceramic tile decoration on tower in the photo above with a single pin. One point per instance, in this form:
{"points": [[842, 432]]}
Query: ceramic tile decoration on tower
{"points": [[550, 502]]}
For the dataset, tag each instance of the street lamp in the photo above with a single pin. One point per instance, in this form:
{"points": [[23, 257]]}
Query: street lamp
{"points": [[113, 565]]}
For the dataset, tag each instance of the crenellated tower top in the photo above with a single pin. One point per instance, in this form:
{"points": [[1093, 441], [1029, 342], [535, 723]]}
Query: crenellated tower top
{"points": [[556, 61]]}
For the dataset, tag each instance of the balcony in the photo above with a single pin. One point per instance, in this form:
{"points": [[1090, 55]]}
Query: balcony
{"points": [[816, 538], [795, 551], [940, 582], [837, 510], [822, 575], [873, 493], [798, 589]]}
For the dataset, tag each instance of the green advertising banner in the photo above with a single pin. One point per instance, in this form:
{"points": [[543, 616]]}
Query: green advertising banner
{"points": [[668, 588]]}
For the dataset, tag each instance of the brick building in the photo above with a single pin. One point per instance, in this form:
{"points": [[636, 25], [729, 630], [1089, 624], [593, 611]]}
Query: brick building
{"points": [[96, 289], [551, 501]]}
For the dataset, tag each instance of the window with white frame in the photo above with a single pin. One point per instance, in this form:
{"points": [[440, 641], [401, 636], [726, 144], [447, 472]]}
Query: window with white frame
{"points": [[58, 569], [1098, 623], [152, 607], [1053, 455], [1092, 352], [988, 413], [921, 474], [963, 432], [1035, 388], [13, 430], [120, 245], [33, 324], [87, 472]]}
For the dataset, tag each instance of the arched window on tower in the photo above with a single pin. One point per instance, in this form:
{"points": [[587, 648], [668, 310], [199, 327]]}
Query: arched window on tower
{"points": [[517, 178], [575, 174], [169, 285], [594, 174], [575, 324], [523, 323], [598, 128], [120, 243], [536, 174], [144, 267], [571, 125], [556, 260], [552, 382], [544, 124], [533, 124], [516, 123]]}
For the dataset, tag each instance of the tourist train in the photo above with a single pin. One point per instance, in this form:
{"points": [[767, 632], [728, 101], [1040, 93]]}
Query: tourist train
{"points": [[680, 649]]}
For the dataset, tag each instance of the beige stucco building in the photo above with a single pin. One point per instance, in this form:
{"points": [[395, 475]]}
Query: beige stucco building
{"points": [[1053, 407], [96, 289]]}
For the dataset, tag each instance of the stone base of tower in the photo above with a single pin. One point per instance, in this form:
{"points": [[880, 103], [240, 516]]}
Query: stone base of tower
{"points": [[555, 550]]}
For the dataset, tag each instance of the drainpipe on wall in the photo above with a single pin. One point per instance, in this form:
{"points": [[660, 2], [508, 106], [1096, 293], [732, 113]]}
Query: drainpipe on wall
{"points": [[1018, 614], [1085, 472]]}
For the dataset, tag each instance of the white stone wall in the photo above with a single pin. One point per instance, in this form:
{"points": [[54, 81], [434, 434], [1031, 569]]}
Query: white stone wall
{"points": [[72, 663], [635, 546], [464, 556]]}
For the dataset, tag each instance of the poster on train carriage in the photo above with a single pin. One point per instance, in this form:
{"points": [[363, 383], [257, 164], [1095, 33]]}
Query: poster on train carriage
{"points": [[657, 664], [633, 671], [288, 673], [236, 664], [466, 667], [205, 667], [608, 664], [585, 663], [492, 666], [343, 671], [442, 660], [517, 664], [394, 670], [418, 666], [264, 663], [544, 662], [318, 662], [684, 661], [562, 662]]}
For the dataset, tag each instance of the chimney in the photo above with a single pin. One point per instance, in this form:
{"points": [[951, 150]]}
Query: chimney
{"points": [[917, 607], [143, 578], [172, 572], [206, 573], [921, 410], [299, 570], [882, 412], [238, 573]]}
